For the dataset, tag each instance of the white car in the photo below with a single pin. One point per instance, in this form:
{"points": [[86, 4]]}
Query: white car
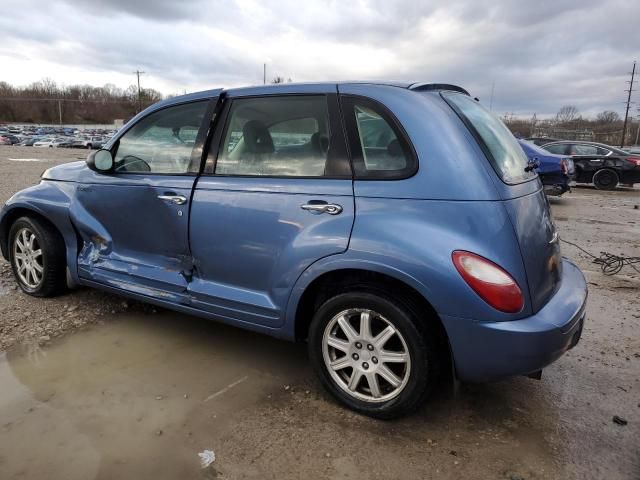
{"points": [[47, 142], [52, 142]]}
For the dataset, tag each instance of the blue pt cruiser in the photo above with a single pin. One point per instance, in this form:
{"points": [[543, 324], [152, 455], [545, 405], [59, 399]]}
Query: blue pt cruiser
{"points": [[397, 228]]}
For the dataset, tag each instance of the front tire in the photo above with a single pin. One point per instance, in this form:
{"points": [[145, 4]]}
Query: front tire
{"points": [[373, 354], [605, 179], [37, 256]]}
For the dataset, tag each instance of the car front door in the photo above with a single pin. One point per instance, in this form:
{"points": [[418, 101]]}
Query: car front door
{"points": [[134, 221], [276, 196]]}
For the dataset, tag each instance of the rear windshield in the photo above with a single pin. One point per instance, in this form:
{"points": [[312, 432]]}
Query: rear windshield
{"points": [[505, 154]]}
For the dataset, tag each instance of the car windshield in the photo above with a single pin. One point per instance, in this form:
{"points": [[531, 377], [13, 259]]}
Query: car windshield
{"points": [[501, 147]]}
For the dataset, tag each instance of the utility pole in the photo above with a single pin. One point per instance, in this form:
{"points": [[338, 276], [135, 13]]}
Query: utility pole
{"points": [[264, 73], [138, 73], [60, 111], [626, 115]]}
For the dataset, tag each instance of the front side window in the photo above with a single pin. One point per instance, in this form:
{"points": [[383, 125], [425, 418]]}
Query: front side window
{"points": [[161, 142], [379, 149], [285, 136], [504, 152]]}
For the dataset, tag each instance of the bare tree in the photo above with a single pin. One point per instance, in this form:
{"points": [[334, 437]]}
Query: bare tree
{"points": [[40, 102], [567, 113], [608, 116]]}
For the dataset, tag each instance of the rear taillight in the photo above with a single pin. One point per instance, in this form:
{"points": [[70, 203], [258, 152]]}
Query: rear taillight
{"points": [[634, 160], [491, 282]]}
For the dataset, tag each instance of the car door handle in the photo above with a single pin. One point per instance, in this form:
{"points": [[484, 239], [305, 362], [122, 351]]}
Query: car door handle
{"points": [[330, 208], [175, 199]]}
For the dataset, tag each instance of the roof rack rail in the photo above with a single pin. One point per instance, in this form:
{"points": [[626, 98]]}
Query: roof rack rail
{"points": [[426, 87]]}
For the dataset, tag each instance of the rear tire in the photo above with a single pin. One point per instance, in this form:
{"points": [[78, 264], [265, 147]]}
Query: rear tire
{"points": [[359, 367], [606, 179], [37, 256]]}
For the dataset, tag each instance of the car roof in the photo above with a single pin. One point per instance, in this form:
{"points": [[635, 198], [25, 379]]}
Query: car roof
{"points": [[616, 150], [289, 88], [306, 87], [583, 142]]}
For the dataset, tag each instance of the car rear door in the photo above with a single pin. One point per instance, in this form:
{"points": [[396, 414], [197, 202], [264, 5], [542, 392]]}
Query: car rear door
{"points": [[134, 221], [587, 160], [275, 197]]}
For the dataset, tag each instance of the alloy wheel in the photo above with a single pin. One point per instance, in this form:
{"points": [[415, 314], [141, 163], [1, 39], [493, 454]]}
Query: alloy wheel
{"points": [[28, 258], [366, 355]]}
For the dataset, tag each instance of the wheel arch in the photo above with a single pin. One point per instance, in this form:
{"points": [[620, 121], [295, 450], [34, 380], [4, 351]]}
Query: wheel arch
{"points": [[11, 216], [312, 291], [61, 224]]}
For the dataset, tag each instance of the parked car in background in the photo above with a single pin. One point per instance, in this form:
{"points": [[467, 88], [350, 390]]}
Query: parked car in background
{"points": [[13, 140], [603, 165], [5, 140], [542, 140], [556, 171], [29, 141], [44, 143], [367, 243], [62, 142], [94, 142]]}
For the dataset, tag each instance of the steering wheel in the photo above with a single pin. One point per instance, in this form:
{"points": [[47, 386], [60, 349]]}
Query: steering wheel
{"points": [[131, 163]]}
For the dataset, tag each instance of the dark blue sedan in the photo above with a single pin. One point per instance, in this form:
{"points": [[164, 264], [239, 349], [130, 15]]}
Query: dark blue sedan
{"points": [[555, 171]]}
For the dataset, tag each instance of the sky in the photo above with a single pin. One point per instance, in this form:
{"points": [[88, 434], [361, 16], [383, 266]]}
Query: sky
{"points": [[535, 56]]}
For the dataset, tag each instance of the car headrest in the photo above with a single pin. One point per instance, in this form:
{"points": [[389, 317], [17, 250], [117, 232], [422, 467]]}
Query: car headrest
{"points": [[257, 138], [320, 143]]}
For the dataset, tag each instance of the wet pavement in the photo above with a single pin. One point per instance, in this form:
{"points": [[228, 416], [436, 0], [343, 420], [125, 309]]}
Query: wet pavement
{"points": [[92, 387], [141, 396]]}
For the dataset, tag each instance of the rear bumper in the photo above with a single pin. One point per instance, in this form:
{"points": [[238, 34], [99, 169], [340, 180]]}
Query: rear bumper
{"points": [[486, 351], [630, 176], [556, 184]]}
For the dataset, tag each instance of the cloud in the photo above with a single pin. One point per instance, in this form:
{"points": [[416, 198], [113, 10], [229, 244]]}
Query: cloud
{"points": [[539, 55]]}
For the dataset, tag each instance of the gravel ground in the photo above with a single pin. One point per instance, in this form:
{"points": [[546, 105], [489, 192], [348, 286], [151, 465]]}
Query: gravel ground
{"points": [[284, 426]]}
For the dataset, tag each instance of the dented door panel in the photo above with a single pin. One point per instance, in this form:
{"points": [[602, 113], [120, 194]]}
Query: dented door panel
{"points": [[133, 239]]}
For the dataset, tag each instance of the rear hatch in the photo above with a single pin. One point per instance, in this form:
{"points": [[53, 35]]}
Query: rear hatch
{"points": [[522, 194]]}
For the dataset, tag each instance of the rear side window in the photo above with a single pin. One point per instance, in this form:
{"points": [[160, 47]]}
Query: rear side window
{"points": [[498, 143], [558, 149], [379, 147], [285, 136], [582, 149]]}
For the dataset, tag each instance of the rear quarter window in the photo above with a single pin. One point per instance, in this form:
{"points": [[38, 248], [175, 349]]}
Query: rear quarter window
{"points": [[500, 146]]}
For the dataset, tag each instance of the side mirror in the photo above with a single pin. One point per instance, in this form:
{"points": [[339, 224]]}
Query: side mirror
{"points": [[101, 161]]}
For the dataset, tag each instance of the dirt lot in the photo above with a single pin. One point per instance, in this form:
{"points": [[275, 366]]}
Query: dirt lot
{"points": [[92, 386]]}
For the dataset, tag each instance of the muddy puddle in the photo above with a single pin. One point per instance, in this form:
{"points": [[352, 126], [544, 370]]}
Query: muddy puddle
{"points": [[141, 396], [137, 398]]}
